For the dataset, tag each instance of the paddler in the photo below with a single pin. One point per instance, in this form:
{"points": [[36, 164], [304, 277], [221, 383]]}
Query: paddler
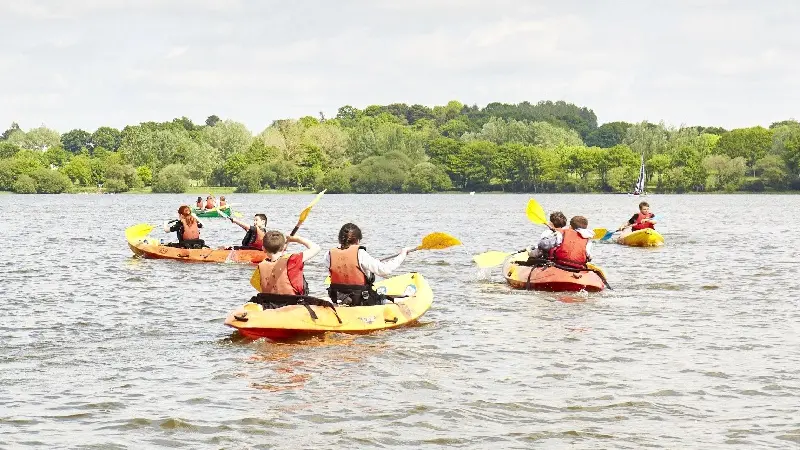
{"points": [[187, 227], [282, 274], [352, 269], [210, 202], [199, 203], [255, 233], [222, 203], [573, 244], [641, 220], [548, 239]]}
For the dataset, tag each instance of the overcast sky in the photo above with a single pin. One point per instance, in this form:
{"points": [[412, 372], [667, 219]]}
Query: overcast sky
{"points": [[88, 63]]}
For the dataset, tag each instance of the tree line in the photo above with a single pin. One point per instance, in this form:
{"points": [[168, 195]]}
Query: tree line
{"points": [[525, 147]]}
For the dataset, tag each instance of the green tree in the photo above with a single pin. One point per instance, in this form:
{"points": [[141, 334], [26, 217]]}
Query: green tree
{"points": [[79, 170], [426, 178], [40, 138], [106, 137], [748, 143], [145, 174], [336, 181], [14, 127], [657, 165], [115, 185], [228, 137], [75, 140], [212, 120], [50, 181], [8, 150], [24, 185], [608, 135], [772, 170], [8, 174], [56, 156], [173, 178], [250, 179]]}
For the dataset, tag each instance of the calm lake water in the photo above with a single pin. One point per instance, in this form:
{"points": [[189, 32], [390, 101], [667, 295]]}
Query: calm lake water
{"points": [[697, 346]]}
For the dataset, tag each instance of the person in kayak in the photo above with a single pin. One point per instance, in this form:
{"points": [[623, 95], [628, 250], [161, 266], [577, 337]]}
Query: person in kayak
{"points": [[222, 203], [573, 244], [255, 233], [187, 228], [352, 269], [199, 203], [548, 239], [641, 220], [282, 274], [210, 202]]}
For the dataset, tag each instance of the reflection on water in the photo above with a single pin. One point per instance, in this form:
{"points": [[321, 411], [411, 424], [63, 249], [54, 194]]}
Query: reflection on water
{"points": [[695, 347]]}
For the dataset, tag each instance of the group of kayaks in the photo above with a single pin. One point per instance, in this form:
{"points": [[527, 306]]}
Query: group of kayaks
{"points": [[411, 295]]}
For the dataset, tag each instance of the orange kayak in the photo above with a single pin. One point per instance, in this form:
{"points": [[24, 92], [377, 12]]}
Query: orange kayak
{"points": [[147, 247], [550, 278]]}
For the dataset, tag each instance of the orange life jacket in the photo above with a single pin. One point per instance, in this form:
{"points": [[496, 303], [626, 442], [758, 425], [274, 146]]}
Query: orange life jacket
{"points": [[572, 251], [190, 231], [639, 225], [209, 204], [345, 268], [277, 277]]}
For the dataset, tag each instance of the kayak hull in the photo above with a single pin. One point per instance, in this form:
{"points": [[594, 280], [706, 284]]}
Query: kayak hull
{"points": [[642, 238], [211, 212], [152, 249], [253, 321], [549, 278]]}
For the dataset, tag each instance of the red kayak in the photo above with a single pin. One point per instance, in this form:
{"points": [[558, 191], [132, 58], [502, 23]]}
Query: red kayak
{"points": [[549, 278]]}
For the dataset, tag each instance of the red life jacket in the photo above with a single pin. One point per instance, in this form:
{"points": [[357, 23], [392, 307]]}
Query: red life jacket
{"points": [[257, 242], [199, 204], [639, 225], [345, 268], [284, 276], [190, 231], [209, 204], [572, 251]]}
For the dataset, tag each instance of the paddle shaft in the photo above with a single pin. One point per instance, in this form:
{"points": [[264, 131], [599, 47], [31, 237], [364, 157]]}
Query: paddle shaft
{"points": [[398, 254]]}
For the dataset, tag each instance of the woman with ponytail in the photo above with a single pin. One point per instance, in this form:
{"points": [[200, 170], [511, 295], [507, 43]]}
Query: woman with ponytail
{"points": [[352, 269], [188, 229]]}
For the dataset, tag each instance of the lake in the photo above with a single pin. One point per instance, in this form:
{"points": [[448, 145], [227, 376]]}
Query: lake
{"points": [[697, 345]]}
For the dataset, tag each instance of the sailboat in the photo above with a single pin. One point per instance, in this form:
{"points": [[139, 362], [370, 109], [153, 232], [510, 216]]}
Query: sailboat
{"points": [[638, 189]]}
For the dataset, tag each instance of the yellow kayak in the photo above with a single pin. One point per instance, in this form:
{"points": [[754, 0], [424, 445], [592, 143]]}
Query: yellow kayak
{"points": [[642, 238], [253, 321]]}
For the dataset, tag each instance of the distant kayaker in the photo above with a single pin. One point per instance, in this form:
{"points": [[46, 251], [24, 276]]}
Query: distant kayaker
{"points": [[573, 244], [548, 239], [222, 202], [199, 203], [255, 233], [353, 270], [641, 220], [283, 274], [187, 228], [210, 202]]}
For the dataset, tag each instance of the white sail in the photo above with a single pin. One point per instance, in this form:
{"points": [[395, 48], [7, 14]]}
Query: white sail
{"points": [[639, 188]]}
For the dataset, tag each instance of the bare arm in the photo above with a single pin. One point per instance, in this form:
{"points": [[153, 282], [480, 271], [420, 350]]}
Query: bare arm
{"points": [[311, 248], [244, 226]]}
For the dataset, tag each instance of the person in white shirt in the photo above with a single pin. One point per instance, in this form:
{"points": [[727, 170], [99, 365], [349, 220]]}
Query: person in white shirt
{"points": [[549, 238], [353, 270]]}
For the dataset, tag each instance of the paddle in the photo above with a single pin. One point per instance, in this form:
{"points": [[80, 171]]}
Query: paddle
{"points": [[138, 232], [255, 279], [433, 241], [491, 258]]}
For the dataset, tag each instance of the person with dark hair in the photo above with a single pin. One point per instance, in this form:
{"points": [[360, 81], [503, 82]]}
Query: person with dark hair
{"points": [[199, 203], [641, 220], [222, 202], [187, 228], [210, 202], [282, 274], [352, 269], [548, 239], [573, 244], [254, 237]]}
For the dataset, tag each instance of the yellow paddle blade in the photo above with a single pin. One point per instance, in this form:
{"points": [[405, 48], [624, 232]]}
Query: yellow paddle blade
{"points": [[490, 259], [237, 214], [137, 232], [328, 280], [307, 210], [535, 212], [599, 233], [255, 280], [597, 269], [438, 241]]}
